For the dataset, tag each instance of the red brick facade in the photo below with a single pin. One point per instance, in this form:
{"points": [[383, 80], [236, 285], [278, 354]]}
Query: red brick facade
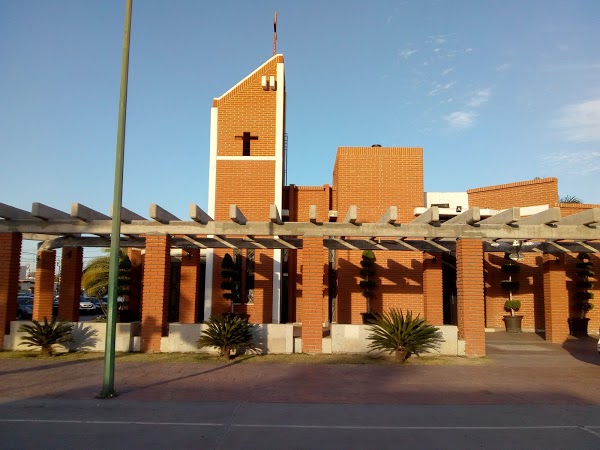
{"points": [[247, 169], [470, 301], [44, 285], [541, 191], [157, 272], [10, 256], [312, 270]]}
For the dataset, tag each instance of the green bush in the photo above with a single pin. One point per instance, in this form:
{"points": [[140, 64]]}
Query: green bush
{"points": [[510, 285], [46, 335], [511, 268], [403, 335], [512, 306], [226, 332]]}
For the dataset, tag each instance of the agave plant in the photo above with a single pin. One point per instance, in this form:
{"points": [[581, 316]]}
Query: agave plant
{"points": [[226, 332], [403, 335], [46, 335]]}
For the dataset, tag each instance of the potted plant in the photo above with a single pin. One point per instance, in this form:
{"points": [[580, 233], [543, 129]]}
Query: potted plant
{"points": [[578, 326], [368, 284], [512, 322]]}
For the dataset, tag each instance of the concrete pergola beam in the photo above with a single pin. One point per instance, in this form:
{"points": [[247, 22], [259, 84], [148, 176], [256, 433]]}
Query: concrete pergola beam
{"points": [[162, 215], [507, 217], [352, 214], [469, 217], [236, 215], [198, 215], [430, 217], [127, 216], [45, 212], [86, 214], [547, 217], [587, 218], [11, 213], [390, 216], [274, 215], [312, 213]]}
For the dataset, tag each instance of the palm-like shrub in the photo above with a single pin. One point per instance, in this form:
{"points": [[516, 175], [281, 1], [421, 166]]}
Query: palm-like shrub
{"points": [[94, 280], [403, 335], [226, 332], [46, 335]]}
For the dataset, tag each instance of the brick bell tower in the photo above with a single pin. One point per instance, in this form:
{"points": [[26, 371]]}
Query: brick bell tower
{"points": [[247, 131]]}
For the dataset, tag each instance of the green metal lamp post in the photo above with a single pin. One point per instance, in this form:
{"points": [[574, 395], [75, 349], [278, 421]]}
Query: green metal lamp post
{"points": [[108, 390]]}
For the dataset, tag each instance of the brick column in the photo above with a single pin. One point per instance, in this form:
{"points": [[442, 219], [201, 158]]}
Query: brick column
{"points": [[314, 261], [432, 288], [44, 285], [70, 284], [556, 298], [188, 285], [10, 259], [470, 301], [157, 274], [134, 298]]}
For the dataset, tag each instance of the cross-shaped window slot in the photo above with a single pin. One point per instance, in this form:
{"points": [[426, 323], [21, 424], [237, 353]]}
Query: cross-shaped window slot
{"points": [[246, 138]]}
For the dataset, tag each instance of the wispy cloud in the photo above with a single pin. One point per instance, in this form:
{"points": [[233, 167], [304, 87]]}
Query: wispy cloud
{"points": [[479, 98], [580, 122], [502, 67], [583, 162], [407, 52], [461, 120], [440, 87]]}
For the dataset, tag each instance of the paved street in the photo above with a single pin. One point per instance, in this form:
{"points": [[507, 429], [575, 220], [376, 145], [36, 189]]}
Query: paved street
{"points": [[530, 394]]}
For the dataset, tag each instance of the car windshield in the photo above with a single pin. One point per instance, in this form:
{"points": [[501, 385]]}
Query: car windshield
{"points": [[25, 300]]}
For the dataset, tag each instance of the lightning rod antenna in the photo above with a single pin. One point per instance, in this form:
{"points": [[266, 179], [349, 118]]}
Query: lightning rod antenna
{"points": [[275, 34]]}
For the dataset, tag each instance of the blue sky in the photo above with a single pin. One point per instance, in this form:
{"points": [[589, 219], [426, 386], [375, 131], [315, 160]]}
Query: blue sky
{"points": [[494, 91]]}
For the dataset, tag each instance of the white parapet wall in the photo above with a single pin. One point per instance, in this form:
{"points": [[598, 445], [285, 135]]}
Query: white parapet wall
{"points": [[268, 338], [87, 336], [354, 339]]}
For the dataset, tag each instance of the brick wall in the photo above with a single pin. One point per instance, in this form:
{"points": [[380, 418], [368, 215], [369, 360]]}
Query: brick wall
{"points": [[556, 301], [44, 285], [261, 310], [188, 285], [314, 260], [470, 300], [399, 278], [157, 274], [304, 197], [432, 288], [10, 257], [530, 293], [374, 178], [567, 209], [543, 191]]}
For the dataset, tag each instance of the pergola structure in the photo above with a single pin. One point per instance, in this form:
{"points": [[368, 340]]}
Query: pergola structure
{"points": [[467, 236]]}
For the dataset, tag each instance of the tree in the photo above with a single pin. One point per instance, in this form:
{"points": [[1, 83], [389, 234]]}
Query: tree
{"points": [[570, 199], [231, 272], [94, 280]]}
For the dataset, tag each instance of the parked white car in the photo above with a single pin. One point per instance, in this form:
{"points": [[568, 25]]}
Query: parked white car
{"points": [[86, 306]]}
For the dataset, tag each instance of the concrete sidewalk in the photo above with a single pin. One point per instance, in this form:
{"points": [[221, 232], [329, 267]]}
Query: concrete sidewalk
{"points": [[520, 369]]}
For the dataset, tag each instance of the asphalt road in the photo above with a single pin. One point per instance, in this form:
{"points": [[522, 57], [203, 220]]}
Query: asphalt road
{"points": [[529, 394], [108, 424]]}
